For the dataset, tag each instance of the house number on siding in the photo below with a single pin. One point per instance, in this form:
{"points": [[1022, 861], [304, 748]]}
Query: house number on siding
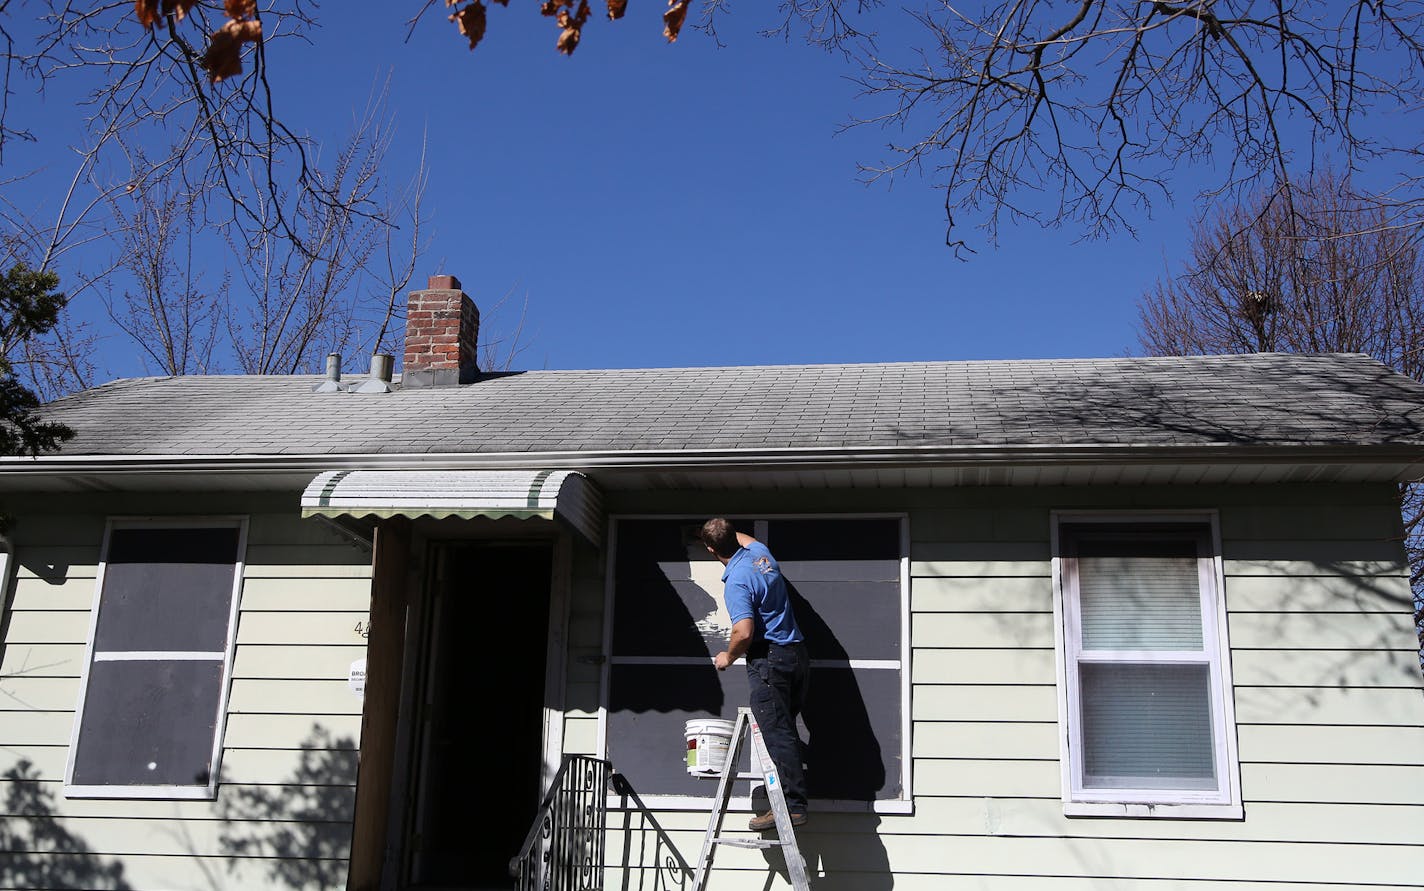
{"points": [[363, 629]]}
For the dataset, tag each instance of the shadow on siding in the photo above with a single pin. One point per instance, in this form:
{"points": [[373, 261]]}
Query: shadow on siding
{"points": [[36, 851], [852, 859], [305, 833]]}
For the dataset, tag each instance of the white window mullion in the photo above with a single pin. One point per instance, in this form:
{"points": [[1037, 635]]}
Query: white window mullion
{"points": [[1144, 656], [158, 656]]}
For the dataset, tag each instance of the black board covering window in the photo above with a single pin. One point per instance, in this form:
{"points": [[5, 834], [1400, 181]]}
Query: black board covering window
{"points": [[151, 709], [668, 621]]}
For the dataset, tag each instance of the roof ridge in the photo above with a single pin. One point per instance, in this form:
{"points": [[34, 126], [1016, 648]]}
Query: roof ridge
{"points": [[663, 369]]}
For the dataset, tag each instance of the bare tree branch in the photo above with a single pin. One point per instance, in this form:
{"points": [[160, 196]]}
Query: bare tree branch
{"points": [[1030, 112], [167, 312], [333, 289], [1323, 272]]}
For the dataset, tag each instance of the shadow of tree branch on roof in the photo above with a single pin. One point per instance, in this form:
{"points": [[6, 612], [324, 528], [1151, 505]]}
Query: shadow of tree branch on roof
{"points": [[1119, 403], [37, 851], [1330, 401]]}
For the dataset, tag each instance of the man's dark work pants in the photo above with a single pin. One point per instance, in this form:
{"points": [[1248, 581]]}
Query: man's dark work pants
{"points": [[778, 679]]}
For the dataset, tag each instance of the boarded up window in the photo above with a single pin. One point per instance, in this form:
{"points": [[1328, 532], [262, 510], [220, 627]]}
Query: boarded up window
{"points": [[669, 620], [150, 714]]}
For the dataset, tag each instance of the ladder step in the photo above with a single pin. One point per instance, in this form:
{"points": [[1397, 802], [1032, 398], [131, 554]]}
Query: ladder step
{"points": [[746, 730], [740, 841]]}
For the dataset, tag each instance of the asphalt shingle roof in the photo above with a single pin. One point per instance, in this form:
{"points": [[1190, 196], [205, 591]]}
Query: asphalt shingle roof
{"points": [[1266, 399]]}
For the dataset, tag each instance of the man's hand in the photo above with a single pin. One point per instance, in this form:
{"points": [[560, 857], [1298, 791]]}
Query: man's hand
{"points": [[741, 639]]}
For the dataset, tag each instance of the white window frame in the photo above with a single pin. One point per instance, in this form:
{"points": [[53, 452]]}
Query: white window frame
{"points": [[1224, 802], [4, 576], [904, 804], [193, 792]]}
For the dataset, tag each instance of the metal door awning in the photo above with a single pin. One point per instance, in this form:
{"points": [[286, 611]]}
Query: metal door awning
{"points": [[458, 493]]}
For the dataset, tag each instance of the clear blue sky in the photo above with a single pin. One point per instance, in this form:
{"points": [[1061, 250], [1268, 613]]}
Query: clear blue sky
{"points": [[689, 205]]}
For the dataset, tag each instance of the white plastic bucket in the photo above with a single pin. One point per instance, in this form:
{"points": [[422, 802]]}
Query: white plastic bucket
{"points": [[707, 745]]}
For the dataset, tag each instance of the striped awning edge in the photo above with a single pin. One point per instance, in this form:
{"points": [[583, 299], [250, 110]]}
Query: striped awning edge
{"points": [[458, 493]]}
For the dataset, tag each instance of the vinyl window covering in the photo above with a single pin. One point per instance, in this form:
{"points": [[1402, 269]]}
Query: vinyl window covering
{"points": [[150, 715], [1146, 717], [667, 621]]}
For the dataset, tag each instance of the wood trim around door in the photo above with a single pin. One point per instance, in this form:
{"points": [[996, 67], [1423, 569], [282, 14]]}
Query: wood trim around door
{"points": [[385, 654]]}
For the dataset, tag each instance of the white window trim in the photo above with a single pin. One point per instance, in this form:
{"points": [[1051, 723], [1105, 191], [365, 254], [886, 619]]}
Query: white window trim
{"points": [[1224, 802], [208, 792], [904, 804], [4, 576]]}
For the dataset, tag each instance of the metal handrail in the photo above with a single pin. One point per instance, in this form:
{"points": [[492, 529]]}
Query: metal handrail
{"points": [[565, 846], [671, 870]]}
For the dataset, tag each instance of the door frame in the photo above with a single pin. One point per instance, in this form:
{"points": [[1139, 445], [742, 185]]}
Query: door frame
{"points": [[431, 547]]}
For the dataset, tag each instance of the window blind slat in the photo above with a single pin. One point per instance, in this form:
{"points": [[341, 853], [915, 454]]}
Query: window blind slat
{"points": [[1140, 603], [1147, 726]]}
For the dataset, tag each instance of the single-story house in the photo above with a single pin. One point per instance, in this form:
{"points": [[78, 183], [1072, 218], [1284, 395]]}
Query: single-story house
{"points": [[1114, 624]]}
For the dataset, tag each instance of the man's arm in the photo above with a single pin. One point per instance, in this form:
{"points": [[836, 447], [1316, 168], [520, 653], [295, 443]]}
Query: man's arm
{"points": [[744, 539], [737, 646]]}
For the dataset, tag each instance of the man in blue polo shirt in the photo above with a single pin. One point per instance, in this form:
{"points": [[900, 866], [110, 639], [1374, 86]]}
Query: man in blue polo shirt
{"points": [[778, 670]]}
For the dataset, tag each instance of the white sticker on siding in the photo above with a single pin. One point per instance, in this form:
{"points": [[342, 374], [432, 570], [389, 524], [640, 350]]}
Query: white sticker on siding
{"points": [[357, 679]]}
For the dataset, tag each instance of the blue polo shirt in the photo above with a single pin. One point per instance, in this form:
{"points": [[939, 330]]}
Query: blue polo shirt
{"points": [[754, 589]]}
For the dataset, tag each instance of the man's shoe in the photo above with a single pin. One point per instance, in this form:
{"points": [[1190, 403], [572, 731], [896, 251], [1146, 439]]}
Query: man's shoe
{"points": [[763, 822]]}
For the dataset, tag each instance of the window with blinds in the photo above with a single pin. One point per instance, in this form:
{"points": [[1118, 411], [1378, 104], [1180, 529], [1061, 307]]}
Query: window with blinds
{"points": [[1148, 696]]}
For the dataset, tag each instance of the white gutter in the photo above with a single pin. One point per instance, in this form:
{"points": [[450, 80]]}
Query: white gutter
{"points": [[775, 458]]}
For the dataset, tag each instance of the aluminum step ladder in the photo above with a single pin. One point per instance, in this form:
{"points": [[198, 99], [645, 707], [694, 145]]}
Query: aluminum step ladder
{"points": [[746, 728]]}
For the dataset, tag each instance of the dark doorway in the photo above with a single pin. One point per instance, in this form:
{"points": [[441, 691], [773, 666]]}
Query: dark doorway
{"points": [[480, 741]]}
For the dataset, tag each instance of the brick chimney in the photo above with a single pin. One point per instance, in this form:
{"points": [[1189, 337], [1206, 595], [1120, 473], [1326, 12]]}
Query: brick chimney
{"points": [[442, 326]]}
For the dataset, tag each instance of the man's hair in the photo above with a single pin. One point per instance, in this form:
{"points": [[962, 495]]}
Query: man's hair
{"points": [[719, 535]]}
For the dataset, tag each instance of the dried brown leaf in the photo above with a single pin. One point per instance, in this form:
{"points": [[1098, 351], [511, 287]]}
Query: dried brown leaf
{"points": [[673, 19], [572, 25], [552, 7], [616, 9], [146, 11], [471, 22], [224, 56], [240, 9], [178, 8], [568, 41]]}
